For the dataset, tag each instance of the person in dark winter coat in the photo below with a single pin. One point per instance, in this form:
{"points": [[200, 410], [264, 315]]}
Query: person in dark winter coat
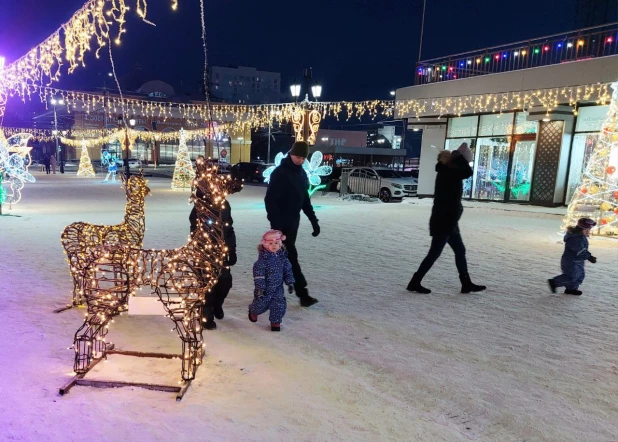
{"points": [[213, 308], [270, 272], [452, 168], [286, 196], [47, 163], [574, 257]]}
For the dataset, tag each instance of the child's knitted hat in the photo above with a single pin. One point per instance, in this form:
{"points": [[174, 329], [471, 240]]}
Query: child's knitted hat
{"points": [[272, 235], [585, 223]]}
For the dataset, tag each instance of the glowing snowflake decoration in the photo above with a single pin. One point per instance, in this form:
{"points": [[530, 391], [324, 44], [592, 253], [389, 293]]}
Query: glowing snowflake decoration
{"points": [[14, 162], [312, 168]]}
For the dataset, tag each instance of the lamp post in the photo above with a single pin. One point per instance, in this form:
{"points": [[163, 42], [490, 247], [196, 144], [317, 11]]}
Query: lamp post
{"points": [[306, 121], [60, 102]]}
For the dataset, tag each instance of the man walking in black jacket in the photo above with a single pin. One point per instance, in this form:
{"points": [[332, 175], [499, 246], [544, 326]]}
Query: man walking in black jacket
{"points": [[452, 169], [287, 195]]}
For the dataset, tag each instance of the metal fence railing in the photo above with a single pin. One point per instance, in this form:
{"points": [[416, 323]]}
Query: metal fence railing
{"points": [[598, 41], [359, 181]]}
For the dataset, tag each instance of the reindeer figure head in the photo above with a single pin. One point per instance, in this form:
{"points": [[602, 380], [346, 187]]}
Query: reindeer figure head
{"points": [[136, 189]]}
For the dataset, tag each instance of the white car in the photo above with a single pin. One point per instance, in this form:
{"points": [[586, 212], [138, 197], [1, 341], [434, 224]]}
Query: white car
{"points": [[381, 182], [134, 163]]}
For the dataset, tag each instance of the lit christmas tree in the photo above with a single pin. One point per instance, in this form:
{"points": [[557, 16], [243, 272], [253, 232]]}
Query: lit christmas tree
{"points": [[597, 194], [85, 165], [183, 170]]}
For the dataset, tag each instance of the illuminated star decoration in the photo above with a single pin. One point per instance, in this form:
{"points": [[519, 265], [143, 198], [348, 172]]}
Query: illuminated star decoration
{"points": [[14, 162], [312, 168]]}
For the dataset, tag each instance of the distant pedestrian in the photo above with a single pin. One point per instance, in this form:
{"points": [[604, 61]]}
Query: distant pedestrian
{"points": [[52, 161], [270, 272], [47, 163], [574, 258], [452, 168], [287, 195]]}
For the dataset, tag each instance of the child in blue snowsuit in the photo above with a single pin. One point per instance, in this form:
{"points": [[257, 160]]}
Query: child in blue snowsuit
{"points": [[270, 272], [574, 257]]}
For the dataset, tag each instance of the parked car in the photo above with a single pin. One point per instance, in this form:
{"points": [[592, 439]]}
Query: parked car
{"points": [[381, 182], [249, 171], [134, 163]]}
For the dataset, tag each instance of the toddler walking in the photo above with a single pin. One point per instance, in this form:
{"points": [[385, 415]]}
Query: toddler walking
{"points": [[574, 257], [270, 272]]}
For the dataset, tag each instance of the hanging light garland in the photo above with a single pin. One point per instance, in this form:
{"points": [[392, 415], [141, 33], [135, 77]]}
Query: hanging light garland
{"points": [[90, 28], [503, 102]]}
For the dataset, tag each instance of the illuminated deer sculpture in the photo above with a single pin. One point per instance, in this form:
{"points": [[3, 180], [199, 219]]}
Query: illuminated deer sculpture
{"points": [[182, 279], [79, 239]]}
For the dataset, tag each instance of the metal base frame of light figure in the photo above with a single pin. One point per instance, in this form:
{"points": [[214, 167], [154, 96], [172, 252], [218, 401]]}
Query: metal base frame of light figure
{"points": [[14, 163], [312, 168], [181, 278], [78, 239]]}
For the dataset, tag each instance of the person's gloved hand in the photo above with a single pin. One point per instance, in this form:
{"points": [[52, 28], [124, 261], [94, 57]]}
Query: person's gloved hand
{"points": [[593, 259], [259, 293], [316, 227], [290, 289], [232, 259]]}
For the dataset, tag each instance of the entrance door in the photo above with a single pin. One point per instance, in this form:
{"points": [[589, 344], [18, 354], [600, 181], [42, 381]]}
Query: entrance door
{"points": [[523, 149]]}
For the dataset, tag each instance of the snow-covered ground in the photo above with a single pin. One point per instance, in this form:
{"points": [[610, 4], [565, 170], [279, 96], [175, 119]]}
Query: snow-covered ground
{"points": [[370, 362]]}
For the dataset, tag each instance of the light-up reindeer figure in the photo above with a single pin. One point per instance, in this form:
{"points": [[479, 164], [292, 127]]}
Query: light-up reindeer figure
{"points": [[109, 160], [182, 278], [78, 239]]}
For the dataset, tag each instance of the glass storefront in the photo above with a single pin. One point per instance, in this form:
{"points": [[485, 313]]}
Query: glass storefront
{"points": [[503, 147], [589, 123]]}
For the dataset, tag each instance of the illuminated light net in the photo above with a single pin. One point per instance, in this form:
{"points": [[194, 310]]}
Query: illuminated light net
{"points": [[80, 238], [183, 170], [85, 164], [312, 168], [596, 196], [181, 278], [14, 163]]}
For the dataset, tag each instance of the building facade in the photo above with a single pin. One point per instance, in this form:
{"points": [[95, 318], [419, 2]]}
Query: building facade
{"points": [[244, 85], [524, 155]]}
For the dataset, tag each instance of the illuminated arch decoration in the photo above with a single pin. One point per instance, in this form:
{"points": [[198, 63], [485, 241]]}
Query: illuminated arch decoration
{"points": [[312, 168], [14, 162]]}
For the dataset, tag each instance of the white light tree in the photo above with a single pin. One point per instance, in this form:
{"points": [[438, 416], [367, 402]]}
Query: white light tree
{"points": [[183, 170], [596, 196], [85, 165]]}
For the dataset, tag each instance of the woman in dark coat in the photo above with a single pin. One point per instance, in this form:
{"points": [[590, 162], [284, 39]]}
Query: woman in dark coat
{"points": [[452, 168]]}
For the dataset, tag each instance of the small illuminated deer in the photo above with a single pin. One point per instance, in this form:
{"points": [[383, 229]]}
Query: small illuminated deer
{"points": [[181, 278], [78, 239]]}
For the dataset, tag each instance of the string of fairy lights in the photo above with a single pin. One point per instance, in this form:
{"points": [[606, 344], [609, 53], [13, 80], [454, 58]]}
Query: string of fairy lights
{"points": [[90, 29]]}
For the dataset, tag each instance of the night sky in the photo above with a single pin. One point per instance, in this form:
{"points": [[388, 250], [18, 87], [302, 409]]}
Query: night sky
{"points": [[359, 49]]}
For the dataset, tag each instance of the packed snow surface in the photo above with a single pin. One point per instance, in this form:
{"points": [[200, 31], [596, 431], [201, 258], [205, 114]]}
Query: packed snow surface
{"points": [[370, 362]]}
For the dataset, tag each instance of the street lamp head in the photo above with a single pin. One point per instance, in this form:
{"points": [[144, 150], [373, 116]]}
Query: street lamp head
{"points": [[54, 132], [316, 90], [109, 74], [295, 89], [392, 93], [132, 122], [54, 101]]}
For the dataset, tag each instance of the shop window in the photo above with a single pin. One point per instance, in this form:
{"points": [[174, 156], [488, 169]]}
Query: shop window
{"points": [[462, 127], [454, 144], [591, 118], [491, 163], [583, 145], [523, 126], [521, 170], [496, 124]]}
